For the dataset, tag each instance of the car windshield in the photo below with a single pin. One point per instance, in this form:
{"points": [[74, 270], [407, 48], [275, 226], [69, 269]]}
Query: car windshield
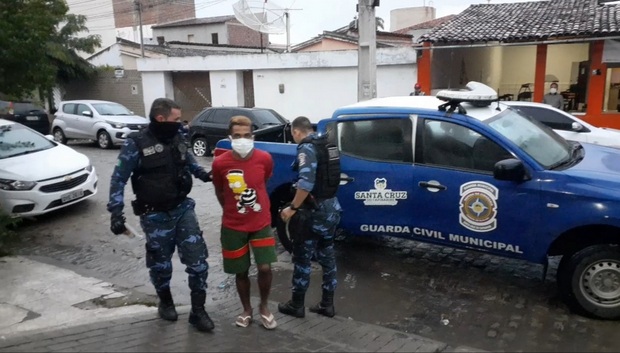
{"points": [[111, 109], [266, 117], [535, 139], [16, 139]]}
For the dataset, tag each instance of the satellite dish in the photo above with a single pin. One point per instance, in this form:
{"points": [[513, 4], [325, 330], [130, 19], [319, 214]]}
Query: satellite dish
{"points": [[261, 15]]}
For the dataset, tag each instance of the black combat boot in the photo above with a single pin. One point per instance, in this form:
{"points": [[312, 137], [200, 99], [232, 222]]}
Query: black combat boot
{"points": [[166, 308], [294, 307], [326, 306], [198, 316]]}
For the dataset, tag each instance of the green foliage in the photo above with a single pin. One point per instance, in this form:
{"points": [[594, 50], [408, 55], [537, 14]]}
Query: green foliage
{"points": [[61, 49], [8, 236], [35, 51]]}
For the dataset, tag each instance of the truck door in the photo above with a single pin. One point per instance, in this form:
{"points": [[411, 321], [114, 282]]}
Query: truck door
{"points": [[376, 161], [459, 203]]}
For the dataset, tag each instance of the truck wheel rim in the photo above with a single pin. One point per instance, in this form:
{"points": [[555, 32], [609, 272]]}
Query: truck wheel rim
{"points": [[58, 136], [600, 282], [199, 148]]}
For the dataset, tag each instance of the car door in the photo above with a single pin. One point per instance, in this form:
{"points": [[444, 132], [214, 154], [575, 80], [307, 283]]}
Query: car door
{"points": [[217, 125], [558, 121], [376, 162], [85, 121], [458, 202], [69, 116]]}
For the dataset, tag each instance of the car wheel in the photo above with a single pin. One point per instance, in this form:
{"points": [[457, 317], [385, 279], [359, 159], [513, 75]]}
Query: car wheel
{"points": [[589, 281], [103, 140], [200, 147], [59, 136]]}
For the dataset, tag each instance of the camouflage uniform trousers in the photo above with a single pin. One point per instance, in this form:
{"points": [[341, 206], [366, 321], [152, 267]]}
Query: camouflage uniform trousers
{"points": [[175, 228], [324, 228]]}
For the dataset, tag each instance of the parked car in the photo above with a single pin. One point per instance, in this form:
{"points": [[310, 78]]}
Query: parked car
{"points": [[567, 125], [211, 125], [465, 171], [26, 113], [38, 175], [108, 123]]}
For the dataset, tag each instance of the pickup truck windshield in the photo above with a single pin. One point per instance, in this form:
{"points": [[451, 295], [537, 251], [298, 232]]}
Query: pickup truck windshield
{"points": [[539, 142]]}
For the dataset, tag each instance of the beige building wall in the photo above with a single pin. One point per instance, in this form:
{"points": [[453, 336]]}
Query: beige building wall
{"points": [[329, 44]]}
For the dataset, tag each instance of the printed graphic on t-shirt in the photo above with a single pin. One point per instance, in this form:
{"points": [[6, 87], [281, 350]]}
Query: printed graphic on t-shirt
{"points": [[246, 197]]}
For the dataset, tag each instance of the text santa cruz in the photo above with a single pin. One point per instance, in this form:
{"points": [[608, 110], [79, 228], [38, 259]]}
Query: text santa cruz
{"points": [[427, 233]]}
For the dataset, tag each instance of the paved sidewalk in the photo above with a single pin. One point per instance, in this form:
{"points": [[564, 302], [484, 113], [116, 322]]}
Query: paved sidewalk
{"points": [[147, 333]]}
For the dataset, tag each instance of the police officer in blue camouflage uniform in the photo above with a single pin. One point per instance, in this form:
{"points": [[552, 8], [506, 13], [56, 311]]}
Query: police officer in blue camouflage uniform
{"points": [[324, 218], [161, 168]]}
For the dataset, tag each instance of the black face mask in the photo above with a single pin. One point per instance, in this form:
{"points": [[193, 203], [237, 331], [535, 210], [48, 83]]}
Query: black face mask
{"points": [[164, 130]]}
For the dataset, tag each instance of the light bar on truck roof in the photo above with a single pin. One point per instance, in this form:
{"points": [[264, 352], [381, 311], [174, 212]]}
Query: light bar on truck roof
{"points": [[475, 93]]}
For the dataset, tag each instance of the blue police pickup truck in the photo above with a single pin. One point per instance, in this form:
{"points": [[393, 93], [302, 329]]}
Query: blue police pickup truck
{"points": [[463, 170]]}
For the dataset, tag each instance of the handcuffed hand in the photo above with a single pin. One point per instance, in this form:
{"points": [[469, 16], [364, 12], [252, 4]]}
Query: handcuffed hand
{"points": [[117, 224], [205, 176]]}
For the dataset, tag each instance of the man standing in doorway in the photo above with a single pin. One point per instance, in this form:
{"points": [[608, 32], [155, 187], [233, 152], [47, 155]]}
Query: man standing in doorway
{"points": [[553, 98], [240, 180]]}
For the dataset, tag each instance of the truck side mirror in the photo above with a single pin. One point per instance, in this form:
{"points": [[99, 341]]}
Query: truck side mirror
{"points": [[87, 113], [509, 169]]}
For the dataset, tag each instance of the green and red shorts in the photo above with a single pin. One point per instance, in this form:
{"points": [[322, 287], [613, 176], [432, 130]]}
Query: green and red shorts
{"points": [[236, 248]]}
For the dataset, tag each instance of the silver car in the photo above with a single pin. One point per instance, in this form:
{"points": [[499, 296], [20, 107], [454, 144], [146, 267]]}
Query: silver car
{"points": [[108, 123]]}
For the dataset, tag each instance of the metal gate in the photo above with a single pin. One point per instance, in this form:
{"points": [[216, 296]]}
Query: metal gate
{"points": [[192, 91]]}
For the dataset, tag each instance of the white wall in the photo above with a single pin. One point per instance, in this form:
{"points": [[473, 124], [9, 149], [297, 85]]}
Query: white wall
{"points": [[317, 92], [202, 33], [315, 83], [110, 56], [133, 33], [156, 85], [225, 87]]}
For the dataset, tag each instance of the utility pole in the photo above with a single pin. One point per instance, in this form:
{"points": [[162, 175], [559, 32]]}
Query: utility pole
{"points": [[138, 7], [288, 31], [367, 50]]}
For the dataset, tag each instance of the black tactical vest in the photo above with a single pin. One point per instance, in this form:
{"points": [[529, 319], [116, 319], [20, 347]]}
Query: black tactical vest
{"points": [[328, 167], [162, 180]]}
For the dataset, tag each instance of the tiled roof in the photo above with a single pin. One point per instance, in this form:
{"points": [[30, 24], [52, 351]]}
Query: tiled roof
{"points": [[196, 22], [426, 25], [529, 21]]}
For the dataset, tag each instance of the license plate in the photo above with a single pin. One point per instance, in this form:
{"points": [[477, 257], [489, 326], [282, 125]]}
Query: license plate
{"points": [[32, 118], [72, 196]]}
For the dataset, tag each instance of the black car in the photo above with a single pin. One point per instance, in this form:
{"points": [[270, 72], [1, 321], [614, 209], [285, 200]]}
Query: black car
{"points": [[26, 113], [211, 125]]}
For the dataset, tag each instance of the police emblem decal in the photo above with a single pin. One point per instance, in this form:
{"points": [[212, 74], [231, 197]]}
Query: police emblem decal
{"points": [[478, 206], [159, 148]]}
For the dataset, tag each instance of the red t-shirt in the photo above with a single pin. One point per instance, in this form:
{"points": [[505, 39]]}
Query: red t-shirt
{"points": [[244, 186]]}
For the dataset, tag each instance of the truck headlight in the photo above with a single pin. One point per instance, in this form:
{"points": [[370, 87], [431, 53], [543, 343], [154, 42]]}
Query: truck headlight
{"points": [[6, 184]]}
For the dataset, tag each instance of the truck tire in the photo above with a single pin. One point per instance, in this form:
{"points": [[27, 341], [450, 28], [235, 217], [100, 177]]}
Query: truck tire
{"points": [[589, 281], [284, 235]]}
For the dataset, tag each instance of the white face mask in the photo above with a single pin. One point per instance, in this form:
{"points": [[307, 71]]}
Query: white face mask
{"points": [[553, 90], [242, 146]]}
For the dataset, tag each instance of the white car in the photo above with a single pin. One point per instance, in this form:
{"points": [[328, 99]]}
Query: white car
{"points": [[567, 125], [38, 175], [108, 123]]}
